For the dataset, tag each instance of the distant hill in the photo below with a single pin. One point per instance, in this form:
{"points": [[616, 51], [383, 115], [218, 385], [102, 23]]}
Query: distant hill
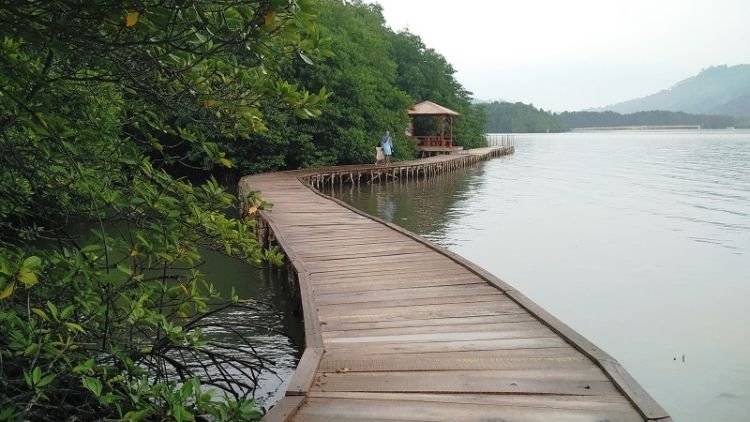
{"points": [[716, 90]]}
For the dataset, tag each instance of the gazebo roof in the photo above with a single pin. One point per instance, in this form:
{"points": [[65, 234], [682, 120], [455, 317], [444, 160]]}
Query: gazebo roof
{"points": [[428, 108]]}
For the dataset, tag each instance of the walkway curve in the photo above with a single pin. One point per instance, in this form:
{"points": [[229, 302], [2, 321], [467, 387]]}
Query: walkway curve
{"points": [[398, 328]]}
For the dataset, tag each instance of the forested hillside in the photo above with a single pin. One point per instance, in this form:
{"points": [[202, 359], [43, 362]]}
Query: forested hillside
{"points": [[716, 90], [586, 119], [504, 117]]}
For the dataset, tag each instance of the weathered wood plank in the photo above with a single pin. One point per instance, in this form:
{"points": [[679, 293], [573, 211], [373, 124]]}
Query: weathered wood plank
{"points": [[304, 375], [451, 363], [426, 324], [560, 351], [284, 409], [446, 407], [575, 382], [404, 294]]}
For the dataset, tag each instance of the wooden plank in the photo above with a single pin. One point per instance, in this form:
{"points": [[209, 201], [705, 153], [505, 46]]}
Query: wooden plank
{"points": [[550, 401], [468, 335], [561, 351], [568, 382], [428, 329], [405, 293], [318, 254], [449, 346], [427, 323], [353, 313], [442, 407], [284, 409], [373, 286], [304, 374], [411, 363], [390, 274], [416, 301]]}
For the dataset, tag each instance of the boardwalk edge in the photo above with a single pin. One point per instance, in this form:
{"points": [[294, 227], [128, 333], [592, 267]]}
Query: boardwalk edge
{"points": [[639, 397]]}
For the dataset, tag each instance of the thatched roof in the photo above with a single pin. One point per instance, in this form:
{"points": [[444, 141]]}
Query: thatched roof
{"points": [[428, 108]]}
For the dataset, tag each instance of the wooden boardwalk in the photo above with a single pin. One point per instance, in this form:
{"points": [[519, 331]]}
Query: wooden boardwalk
{"points": [[399, 329]]}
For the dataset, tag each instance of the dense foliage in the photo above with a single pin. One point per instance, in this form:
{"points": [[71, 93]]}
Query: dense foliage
{"points": [[504, 117], [371, 76], [97, 101]]}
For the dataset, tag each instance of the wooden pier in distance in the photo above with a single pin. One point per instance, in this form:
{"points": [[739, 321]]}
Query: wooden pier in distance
{"points": [[399, 329]]}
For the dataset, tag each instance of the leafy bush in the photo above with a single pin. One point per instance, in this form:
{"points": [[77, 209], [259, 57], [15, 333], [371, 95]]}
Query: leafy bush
{"points": [[102, 105]]}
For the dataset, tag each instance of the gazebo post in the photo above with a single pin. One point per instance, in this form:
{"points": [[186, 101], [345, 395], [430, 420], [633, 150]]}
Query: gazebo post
{"points": [[442, 130], [450, 119]]}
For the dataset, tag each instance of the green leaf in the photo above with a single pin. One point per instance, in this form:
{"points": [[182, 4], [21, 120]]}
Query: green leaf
{"points": [[167, 257], [137, 415], [8, 291], [180, 413], [27, 277], [87, 367], [36, 375], [40, 313], [124, 268], [67, 312], [32, 262], [5, 267], [93, 248], [30, 349], [304, 57], [52, 309], [46, 380], [74, 327], [94, 385]]}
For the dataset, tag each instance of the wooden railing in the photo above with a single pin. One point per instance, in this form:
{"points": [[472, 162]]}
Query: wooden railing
{"points": [[434, 141], [499, 140]]}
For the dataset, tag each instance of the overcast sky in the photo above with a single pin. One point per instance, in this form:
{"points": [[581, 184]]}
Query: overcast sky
{"points": [[576, 54]]}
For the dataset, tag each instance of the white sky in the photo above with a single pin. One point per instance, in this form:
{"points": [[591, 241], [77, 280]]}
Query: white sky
{"points": [[576, 54]]}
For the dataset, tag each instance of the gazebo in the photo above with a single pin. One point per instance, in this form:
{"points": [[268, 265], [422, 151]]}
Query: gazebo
{"points": [[430, 143]]}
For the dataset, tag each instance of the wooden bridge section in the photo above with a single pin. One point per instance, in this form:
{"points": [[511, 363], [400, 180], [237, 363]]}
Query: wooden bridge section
{"points": [[399, 329]]}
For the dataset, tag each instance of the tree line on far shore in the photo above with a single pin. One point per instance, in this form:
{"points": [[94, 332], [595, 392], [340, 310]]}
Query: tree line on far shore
{"points": [[506, 117]]}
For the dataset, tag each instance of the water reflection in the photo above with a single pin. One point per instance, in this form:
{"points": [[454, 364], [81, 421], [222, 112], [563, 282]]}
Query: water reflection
{"points": [[639, 241], [272, 329], [425, 206]]}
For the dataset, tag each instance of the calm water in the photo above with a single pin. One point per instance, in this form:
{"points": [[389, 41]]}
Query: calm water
{"points": [[639, 241], [273, 328]]}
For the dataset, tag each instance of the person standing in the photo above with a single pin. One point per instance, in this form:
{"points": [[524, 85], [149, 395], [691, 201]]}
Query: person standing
{"points": [[387, 145]]}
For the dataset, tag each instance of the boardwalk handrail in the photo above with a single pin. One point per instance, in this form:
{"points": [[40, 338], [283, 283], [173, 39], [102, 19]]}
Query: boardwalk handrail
{"points": [[304, 375]]}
